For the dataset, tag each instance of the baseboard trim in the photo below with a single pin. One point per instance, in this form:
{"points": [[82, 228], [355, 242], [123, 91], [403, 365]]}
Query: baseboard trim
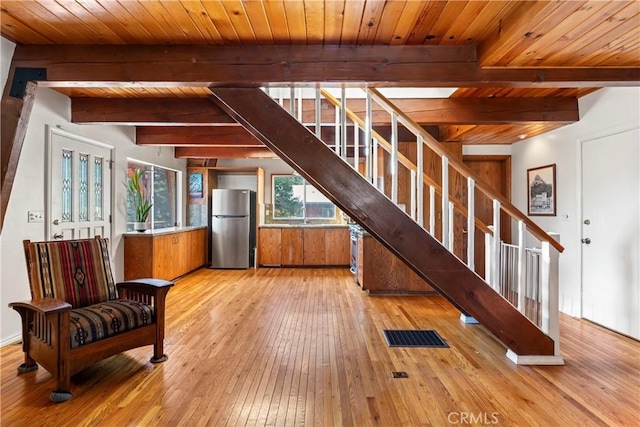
{"points": [[11, 340]]}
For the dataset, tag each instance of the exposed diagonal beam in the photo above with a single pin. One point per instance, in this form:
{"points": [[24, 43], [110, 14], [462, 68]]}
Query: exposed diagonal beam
{"points": [[14, 118], [195, 65], [344, 186], [428, 111]]}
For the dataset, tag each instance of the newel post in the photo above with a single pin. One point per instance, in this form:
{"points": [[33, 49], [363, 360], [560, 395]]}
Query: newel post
{"points": [[550, 292]]}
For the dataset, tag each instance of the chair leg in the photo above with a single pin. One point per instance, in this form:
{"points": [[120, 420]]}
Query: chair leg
{"points": [[27, 367], [60, 396], [158, 352]]}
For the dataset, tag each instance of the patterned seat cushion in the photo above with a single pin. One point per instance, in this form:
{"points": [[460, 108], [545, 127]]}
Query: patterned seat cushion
{"points": [[105, 319]]}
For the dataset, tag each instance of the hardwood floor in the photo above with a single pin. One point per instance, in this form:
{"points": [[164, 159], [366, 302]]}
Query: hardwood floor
{"points": [[304, 347]]}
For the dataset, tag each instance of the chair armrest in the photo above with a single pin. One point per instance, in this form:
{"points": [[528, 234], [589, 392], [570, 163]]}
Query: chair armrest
{"points": [[44, 305], [140, 289], [145, 283]]}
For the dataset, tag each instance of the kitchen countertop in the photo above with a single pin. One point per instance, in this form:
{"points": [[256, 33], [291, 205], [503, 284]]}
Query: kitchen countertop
{"points": [[304, 226], [163, 231]]}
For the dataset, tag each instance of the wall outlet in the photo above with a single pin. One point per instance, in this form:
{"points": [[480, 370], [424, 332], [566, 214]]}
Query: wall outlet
{"points": [[36, 216]]}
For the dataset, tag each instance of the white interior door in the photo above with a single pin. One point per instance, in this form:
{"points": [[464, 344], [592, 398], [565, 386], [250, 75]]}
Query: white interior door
{"points": [[79, 195], [611, 231]]}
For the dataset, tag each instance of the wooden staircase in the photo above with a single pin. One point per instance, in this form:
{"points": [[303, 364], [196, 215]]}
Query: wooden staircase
{"points": [[317, 163]]}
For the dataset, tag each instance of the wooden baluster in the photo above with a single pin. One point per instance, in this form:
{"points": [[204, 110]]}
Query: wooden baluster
{"points": [[374, 162], [450, 239], [299, 105], [445, 201], [412, 202], [495, 258], [394, 158], [522, 274], [318, 113], [343, 122], [356, 145], [367, 138], [420, 176], [432, 210], [292, 101], [336, 133], [471, 226]]}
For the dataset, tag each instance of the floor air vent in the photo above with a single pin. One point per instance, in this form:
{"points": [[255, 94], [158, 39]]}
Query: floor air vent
{"points": [[414, 338]]}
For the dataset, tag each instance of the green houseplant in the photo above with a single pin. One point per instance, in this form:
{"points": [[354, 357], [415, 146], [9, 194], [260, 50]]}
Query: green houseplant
{"points": [[139, 198]]}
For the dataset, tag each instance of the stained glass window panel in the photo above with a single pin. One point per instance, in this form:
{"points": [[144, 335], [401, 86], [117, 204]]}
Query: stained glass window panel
{"points": [[83, 187], [98, 186], [67, 185]]}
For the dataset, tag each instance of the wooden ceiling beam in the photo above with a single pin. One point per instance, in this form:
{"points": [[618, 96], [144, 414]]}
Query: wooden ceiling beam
{"points": [[206, 65], [237, 136], [194, 136], [162, 111], [223, 153], [427, 111]]}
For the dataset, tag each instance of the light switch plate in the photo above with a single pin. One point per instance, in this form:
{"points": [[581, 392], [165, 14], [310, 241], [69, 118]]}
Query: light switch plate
{"points": [[36, 216]]}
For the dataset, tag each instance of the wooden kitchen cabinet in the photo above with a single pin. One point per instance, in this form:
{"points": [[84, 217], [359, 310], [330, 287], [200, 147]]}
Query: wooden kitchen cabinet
{"points": [[337, 246], [164, 255], [304, 246], [313, 242], [292, 246], [269, 246]]}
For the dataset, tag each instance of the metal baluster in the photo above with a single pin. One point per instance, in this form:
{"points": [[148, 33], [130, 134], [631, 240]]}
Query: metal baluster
{"points": [[374, 163], [450, 212], [336, 131]]}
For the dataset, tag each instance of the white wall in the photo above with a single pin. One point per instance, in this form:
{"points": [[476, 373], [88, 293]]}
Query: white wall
{"points": [[28, 194], [603, 110]]}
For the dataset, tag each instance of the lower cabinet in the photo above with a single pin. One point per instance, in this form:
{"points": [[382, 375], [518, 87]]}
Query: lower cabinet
{"points": [[164, 255], [304, 246]]}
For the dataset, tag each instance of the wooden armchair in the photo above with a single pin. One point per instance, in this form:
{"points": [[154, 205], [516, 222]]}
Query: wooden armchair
{"points": [[79, 316]]}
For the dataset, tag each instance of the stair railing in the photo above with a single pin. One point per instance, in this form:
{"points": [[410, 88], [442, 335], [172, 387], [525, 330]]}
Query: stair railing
{"points": [[527, 277]]}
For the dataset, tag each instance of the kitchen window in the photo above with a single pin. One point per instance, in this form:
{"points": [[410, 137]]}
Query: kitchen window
{"points": [[162, 184], [295, 198]]}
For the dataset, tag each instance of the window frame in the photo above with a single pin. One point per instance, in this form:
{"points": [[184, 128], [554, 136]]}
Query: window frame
{"points": [[304, 217], [150, 168]]}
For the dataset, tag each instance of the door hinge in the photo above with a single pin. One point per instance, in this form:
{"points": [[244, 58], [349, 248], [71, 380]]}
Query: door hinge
{"points": [[109, 219]]}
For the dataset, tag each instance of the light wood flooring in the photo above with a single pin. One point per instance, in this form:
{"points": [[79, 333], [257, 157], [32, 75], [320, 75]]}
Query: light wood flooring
{"points": [[304, 347]]}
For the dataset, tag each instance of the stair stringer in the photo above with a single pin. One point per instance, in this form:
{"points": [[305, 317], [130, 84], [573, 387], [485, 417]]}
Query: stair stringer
{"points": [[359, 199]]}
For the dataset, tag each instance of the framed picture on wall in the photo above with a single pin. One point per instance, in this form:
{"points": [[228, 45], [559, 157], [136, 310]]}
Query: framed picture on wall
{"points": [[541, 188], [195, 186]]}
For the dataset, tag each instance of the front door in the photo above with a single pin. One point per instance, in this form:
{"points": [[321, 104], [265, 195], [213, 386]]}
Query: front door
{"points": [[611, 231], [79, 187]]}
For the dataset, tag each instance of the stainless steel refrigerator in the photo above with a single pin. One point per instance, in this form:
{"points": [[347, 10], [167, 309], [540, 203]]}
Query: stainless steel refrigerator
{"points": [[233, 228]]}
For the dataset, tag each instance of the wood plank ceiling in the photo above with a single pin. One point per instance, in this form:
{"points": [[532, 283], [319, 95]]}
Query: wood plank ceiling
{"points": [[507, 35]]}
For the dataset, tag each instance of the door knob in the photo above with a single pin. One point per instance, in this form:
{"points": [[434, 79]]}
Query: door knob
{"points": [[56, 222], [586, 241], [58, 236]]}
